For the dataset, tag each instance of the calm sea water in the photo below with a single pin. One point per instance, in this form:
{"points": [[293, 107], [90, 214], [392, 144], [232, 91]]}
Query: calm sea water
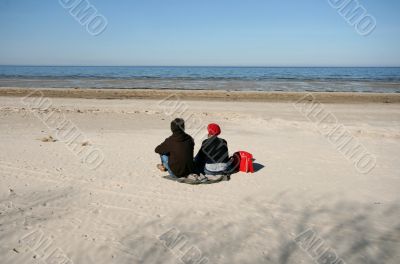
{"points": [[226, 78]]}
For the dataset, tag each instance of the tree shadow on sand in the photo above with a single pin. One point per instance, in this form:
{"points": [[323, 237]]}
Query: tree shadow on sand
{"points": [[266, 233]]}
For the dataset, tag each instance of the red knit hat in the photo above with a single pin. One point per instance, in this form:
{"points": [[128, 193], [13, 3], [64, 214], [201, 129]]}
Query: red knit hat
{"points": [[214, 129]]}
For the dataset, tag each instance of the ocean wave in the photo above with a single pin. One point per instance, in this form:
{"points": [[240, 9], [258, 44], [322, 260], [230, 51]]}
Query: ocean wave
{"points": [[201, 78]]}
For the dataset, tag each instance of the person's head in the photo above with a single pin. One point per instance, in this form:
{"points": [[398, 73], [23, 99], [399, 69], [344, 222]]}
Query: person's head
{"points": [[178, 125], [213, 130]]}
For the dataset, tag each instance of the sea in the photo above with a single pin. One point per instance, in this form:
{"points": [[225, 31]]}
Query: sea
{"points": [[289, 79]]}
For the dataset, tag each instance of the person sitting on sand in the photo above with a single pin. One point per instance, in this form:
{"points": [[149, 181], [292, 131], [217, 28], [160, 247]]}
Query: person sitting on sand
{"points": [[213, 156], [177, 151]]}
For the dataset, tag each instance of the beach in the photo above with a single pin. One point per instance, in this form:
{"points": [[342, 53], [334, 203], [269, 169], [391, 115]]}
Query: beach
{"points": [[79, 178], [204, 95], [293, 108]]}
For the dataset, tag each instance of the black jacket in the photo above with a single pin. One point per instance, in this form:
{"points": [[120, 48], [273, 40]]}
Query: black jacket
{"points": [[179, 147], [214, 150]]}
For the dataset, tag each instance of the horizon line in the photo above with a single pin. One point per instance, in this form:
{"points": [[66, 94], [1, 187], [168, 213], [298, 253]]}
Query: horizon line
{"points": [[194, 66]]}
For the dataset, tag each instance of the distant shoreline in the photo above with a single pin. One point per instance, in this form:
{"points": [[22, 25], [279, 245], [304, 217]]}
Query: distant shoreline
{"points": [[217, 95], [205, 85]]}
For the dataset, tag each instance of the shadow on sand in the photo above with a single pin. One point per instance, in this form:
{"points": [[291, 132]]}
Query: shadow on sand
{"points": [[257, 167], [255, 232]]}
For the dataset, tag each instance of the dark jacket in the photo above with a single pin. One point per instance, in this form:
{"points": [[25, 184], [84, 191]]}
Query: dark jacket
{"points": [[213, 150], [179, 147]]}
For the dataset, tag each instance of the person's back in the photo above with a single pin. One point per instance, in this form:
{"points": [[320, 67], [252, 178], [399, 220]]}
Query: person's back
{"points": [[213, 156], [215, 150], [177, 151]]}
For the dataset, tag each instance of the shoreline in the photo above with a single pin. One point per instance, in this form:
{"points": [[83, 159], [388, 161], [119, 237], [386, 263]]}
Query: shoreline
{"points": [[213, 95]]}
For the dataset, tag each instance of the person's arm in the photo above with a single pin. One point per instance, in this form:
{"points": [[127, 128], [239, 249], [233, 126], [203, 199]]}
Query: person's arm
{"points": [[163, 148], [227, 149], [200, 155]]}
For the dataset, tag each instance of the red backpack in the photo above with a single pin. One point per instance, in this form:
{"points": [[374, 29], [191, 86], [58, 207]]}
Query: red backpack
{"points": [[244, 161]]}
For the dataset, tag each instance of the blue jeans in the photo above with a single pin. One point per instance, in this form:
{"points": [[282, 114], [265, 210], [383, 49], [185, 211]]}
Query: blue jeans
{"points": [[164, 161], [201, 167]]}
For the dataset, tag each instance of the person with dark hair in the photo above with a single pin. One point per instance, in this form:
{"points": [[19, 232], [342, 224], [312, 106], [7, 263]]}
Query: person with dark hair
{"points": [[176, 151], [213, 156]]}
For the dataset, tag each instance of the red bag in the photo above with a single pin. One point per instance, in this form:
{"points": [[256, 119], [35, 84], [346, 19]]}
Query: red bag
{"points": [[245, 161]]}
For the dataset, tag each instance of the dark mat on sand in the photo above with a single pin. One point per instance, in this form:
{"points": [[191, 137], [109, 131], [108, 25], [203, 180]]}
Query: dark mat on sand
{"points": [[196, 182]]}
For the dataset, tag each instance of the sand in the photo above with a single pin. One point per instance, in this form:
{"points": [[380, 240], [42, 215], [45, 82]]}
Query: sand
{"points": [[98, 198], [208, 95]]}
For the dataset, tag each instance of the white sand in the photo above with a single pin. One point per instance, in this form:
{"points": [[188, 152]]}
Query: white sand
{"points": [[52, 202]]}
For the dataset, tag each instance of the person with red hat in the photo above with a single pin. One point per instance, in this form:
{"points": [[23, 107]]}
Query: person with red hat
{"points": [[213, 156]]}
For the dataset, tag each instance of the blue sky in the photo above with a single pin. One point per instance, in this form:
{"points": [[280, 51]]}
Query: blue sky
{"points": [[199, 32]]}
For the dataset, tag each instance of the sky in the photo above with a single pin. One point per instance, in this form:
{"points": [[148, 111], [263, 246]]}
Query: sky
{"points": [[198, 33]]}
